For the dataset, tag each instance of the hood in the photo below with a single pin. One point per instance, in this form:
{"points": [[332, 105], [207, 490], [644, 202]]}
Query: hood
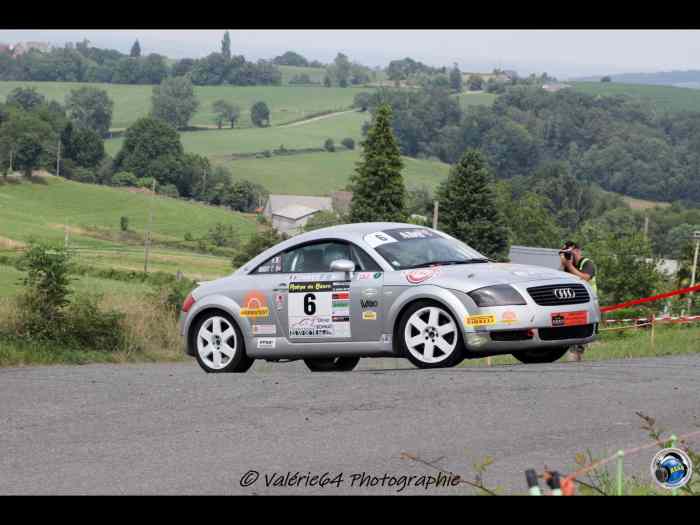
{"points": [[468, 277]]}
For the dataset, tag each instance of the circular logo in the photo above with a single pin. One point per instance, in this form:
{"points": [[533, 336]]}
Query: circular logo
{"points": [[671, 468]]}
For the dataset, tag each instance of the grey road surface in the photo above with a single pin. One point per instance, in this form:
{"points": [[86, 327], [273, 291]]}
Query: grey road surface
{"points": [[170, 428]]}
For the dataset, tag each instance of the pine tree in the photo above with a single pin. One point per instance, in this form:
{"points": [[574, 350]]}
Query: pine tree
{"points": [[226, 46], [136, 49], [377, 185], [468, 207]]}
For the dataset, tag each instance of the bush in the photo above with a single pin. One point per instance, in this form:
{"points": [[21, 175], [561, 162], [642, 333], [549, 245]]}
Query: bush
{"points": [[124, 178], [329, 145], [83, 175], [169, 190], [348, 142], [145, 182], [124, 223], [87, 326]]}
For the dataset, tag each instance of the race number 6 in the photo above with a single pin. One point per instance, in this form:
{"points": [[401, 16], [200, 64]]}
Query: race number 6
{"points": [[309, 304]]}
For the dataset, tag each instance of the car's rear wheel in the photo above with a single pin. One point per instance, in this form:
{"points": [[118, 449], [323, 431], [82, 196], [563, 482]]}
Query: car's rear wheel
{"points": [[540, 355], [429, 335], [218, 344], [332, 364]]}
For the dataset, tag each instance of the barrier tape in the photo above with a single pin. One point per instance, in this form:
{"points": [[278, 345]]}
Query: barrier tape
{"points": [[658, 297]]}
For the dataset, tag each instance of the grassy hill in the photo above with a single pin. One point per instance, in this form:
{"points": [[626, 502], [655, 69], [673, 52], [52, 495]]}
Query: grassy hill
{"points": [[227, 141], [91, 214], [315, 74], [286, 103], [475, 98], [322, 173], [665, 98]]}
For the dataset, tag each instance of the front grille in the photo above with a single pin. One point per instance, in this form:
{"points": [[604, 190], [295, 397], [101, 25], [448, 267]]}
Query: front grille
{"points": [[559, 294], [511, 335], [566, 332]]}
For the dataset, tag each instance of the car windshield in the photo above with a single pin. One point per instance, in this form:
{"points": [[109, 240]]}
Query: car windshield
{"points": [[420, 247]]}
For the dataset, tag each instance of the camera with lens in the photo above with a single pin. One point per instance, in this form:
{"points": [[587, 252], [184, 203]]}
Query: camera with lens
{"points": [[566, 253]]}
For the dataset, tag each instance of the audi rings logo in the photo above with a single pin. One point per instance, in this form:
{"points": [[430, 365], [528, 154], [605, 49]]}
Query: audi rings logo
{"points": [[564, 293]]}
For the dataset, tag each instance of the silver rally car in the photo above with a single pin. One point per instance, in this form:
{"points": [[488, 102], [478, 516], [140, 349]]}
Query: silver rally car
{"points": [[337, 294]]}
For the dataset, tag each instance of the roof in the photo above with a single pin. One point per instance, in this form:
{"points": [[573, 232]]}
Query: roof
{"points": [[295, 211], [280, 202]]}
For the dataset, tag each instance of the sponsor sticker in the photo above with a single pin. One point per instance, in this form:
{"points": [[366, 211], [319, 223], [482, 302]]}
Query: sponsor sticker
{"points": [[377, 275], [420, 275], [362, 276], [570, 318], [369, 315], [479, 320], [264, 329], [266, 342], [369, 292], [378, 238], [279, 301], [255, 305], [319, 309], [369, 303], [509, 317]]}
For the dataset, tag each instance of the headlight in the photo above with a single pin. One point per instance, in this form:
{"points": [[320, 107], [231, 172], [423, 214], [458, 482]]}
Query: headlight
{"points": [[499, 295]]}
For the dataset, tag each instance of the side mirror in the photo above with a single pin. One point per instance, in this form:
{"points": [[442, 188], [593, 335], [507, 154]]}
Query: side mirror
{"points": [[343, 265]]}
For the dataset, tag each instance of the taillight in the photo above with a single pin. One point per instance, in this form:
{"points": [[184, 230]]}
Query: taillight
{"points": [[189, 301]]}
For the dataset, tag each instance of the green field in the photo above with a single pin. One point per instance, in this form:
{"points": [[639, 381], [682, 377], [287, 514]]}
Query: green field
{"points": [[131, 102], [665, 98], [322, 173], [481, 98], [313, 134], [315, 74]]}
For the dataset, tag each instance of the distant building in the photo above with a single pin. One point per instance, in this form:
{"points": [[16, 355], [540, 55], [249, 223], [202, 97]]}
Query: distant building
{"points": [[290, 213], [553, 88], [5, 48], [24, 47]]}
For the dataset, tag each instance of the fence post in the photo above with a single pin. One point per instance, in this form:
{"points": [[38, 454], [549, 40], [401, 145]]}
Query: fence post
{"points": [[620, 473], [653, 324]]}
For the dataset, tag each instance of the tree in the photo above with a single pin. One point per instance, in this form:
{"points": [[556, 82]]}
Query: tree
{"points": [[256, 245], [91, 108], [260, 114], [174, 101], [82, 146], [606, 79], [468, 207], [326, 81], [290, 58], [362, 101], [377, 184], [342, 69], [27, 98], [531, 223], [329, 145], [348, 142], [456, 79], [26, 138], [226, 46], [226, 112], [145, 140], [135, 50]]}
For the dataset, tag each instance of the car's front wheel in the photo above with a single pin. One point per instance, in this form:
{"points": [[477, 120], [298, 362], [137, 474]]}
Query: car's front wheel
{"points": [[332, 364], [540, 355], [218, 344], [430, 336]]}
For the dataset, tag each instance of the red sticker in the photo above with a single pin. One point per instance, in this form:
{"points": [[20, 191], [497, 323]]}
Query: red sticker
{"points": [[418, 276], [570, 318]]}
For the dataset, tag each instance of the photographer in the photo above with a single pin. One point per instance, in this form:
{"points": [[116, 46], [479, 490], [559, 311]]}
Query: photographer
{"points": [[573, 262]]}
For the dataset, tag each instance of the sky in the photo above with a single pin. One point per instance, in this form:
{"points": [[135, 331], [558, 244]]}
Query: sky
{"points": [[562, 53]]}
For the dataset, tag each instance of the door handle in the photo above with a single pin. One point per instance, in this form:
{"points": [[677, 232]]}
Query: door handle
{"points": [[281, 287]]}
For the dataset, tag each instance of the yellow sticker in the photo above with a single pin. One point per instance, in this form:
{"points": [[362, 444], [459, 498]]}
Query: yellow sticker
{"points": [[255, 312], [479, 320], [369, 315]]}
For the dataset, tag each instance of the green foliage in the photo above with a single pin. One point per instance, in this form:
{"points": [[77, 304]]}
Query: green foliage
{"points": [[377, 184], [348, 142], [329, 145], [124, 178], [456, 79], [255, 245], [226, 112], [124, 223], [91, 108], [135, 50], [362, 101], [530, 221], [145, 141], [226, 46], [174, 101], [475, 82], [223, 235], [323, 219], [243, 195], [82, 145], [260, 114], [468, 207], [26, 98], [290, 58]]}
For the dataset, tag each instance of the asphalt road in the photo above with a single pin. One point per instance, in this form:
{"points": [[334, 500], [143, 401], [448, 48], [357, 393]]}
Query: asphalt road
{"points": [[170, 428]]}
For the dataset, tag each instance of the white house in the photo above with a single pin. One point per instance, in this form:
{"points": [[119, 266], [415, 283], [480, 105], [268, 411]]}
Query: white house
{"points": [[290, 213]]}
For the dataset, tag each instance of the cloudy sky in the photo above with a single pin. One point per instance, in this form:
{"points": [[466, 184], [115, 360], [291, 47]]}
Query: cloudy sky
{"points": [[563, 53]]}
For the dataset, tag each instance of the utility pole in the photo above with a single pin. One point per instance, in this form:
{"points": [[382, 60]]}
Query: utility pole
{"points": [[436, 206], [147, 238], [646, 227], [66, 234], [11, 152], [696, 236]]}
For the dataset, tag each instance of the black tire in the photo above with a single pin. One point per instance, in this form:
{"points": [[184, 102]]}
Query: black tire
{"points": [[240, 362], [332, 364], [457, 355], [540, 355]]}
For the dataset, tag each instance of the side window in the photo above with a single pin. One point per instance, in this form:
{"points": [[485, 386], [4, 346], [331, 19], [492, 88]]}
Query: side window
{"points": [[314, 258], [363, 261], [272, 265]]}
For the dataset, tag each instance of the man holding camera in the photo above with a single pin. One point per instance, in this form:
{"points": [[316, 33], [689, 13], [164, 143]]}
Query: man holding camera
{"points": [[573, 262]]}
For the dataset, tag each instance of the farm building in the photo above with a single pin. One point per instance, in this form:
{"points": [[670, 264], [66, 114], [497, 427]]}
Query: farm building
{"points": [[23, 47], [290, 213], [553, 88]]}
